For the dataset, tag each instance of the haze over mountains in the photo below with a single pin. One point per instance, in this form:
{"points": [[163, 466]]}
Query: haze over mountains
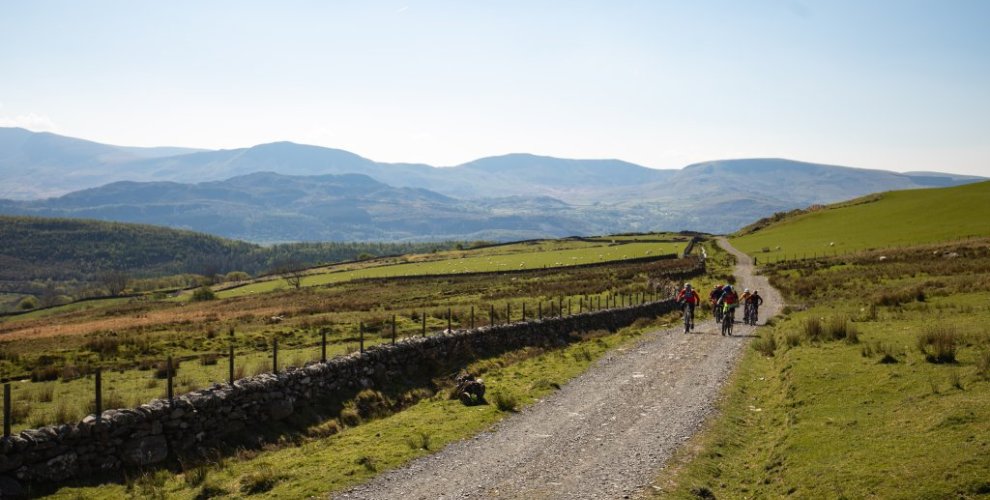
{"points": [[291, 192]]}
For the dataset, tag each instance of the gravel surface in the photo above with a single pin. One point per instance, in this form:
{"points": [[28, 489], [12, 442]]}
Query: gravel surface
{"points": [[606, 434]]}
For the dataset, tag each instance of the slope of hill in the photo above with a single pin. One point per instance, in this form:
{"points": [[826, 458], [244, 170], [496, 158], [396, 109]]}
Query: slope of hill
{"points": [[74, 256], [887, 219], [483, 196], [270, 207]]}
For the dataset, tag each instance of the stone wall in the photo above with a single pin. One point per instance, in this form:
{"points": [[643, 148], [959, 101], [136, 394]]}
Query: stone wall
{"points": [[160, 431]]}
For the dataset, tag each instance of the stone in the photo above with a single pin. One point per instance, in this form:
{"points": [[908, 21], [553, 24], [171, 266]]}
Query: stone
{"points": [[10, 462], [59, 468], [10, 488], [280, 408], [145, 451]]}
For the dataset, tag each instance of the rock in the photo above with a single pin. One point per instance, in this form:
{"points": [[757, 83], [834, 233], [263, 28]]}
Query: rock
{"points": [[59, 468], [280, 408], [10, 488], [145, 451], [9, 463]]}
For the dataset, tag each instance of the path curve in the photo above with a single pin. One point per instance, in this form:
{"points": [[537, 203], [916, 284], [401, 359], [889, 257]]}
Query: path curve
{"points": [[605, 434]]}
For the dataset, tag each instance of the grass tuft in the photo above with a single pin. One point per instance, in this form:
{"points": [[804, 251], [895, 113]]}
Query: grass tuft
{"points": [[262, 479], [505, 400], [765, 345], [938, 342]]}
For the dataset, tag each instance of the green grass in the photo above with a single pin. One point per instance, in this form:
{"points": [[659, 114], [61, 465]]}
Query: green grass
{"points": [[898, 218], [867, 416], [507, 258], [316, 466]]}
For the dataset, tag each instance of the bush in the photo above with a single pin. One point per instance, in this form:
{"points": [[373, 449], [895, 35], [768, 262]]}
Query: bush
{"points": [[419, 441], [203, 293], [28, 303], [938, 343], [371, 404]]}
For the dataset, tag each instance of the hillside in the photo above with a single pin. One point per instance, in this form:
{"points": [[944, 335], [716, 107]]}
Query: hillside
{"points": [[73, 257], [507, 197], [893, 218]]}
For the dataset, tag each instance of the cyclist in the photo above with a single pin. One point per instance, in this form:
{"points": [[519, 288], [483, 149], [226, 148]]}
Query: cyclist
{"points": [[713, 299], [753, 303], [744, 300], [688, 299], [729, 302]]}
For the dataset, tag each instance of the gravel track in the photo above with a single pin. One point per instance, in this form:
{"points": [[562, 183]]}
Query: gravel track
{"points": [[605, 434]]}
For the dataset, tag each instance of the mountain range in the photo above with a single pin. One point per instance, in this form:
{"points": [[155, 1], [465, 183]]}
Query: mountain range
{"points": [[292, 192]]}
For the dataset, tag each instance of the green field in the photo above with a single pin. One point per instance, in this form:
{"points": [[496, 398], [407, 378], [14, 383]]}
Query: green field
{"points": [[548, 254], [893, 219], [866, 407]]}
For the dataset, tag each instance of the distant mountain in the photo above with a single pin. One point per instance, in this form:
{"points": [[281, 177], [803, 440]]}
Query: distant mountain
{"points": [[499, 197], [271, 207]]}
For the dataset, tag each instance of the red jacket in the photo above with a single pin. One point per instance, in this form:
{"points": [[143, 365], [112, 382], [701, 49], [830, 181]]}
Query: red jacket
{"points": [[689, 296]]}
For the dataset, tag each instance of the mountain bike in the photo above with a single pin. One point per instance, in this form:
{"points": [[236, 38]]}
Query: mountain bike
{"points": [[717, 312], [727, 320], [688, 310], [753, 314]]}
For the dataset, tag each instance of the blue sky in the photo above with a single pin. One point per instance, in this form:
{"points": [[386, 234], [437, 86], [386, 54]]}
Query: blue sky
{"points": [[898, 85]]}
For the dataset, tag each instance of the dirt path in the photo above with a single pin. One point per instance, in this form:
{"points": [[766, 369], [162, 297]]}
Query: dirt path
{"points": [[606, 434]]}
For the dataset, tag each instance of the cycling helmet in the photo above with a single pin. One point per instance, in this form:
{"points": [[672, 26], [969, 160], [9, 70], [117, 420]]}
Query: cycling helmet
{"points": [[727, 288], [687, 285], [746, 290]]}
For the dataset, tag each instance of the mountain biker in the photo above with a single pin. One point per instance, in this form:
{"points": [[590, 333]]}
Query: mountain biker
{"points": [[713, 299], [753, 303], [744, 300], [688, 299], [729, 302]]}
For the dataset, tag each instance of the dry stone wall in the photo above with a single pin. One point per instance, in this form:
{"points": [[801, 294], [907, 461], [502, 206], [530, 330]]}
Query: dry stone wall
{"points": [[191, 424]]}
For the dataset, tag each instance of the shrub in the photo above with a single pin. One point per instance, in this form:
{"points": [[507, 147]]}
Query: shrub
{"points": [[28, 303], [211, 490], [203, 293], [938, 343], [792, 338], [195, 476]]}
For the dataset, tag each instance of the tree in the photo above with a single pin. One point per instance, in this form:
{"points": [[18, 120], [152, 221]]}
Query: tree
{"points": [[292, 272], [114, 281]]}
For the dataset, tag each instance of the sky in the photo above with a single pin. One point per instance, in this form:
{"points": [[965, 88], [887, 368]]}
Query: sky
{"points": [[899, 85]]}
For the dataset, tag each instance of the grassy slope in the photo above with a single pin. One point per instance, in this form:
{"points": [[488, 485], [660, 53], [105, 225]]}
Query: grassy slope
{"points": [[505, 258], [898, 218], [827, 419]]}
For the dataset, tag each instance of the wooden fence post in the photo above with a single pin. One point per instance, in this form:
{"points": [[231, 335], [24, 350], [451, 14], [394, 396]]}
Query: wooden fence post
{"points": [[491, 316], [230, 365], [323, 344], [568, 306], [448, 320], [472, 317], [361, 336], [170, 388], [424, 322], [524, 312], [6, 409], [275, 356], [99, 395], [393, 329], [560, 307], [508, 313]]}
